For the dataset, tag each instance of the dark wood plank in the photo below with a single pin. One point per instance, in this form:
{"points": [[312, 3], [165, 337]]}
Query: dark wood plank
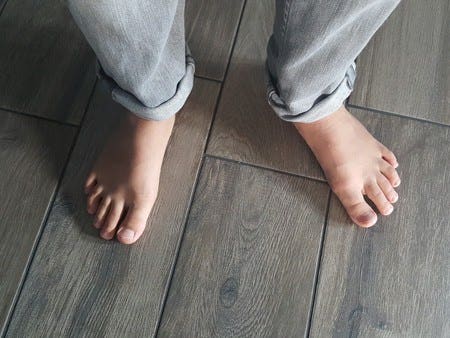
{"points": [[393, 280], [2, 4], [80, 285], [405, 68], [32, 156], [245, 128], [211, 26], [46, 67], [248, 258]]}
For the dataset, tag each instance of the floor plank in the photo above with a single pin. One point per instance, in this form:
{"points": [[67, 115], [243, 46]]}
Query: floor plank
{"points": [[46, 67], [405, 68], [394, 279], [32, 156], [211, 26], [95, 287], [245, 128], [248, 258]]}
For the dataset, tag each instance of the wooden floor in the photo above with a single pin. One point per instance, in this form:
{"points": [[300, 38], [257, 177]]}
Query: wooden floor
{"points": [[246, 239]]}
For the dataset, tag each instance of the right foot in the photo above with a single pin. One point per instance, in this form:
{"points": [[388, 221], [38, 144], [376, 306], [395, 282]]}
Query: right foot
{"points": [[123, 185]]}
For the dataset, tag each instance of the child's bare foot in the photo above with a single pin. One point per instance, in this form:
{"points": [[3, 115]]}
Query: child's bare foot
{"points": [[354, 163], [123, 185]]}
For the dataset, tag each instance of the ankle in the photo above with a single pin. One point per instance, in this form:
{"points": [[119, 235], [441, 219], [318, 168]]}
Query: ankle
{"points": [[139, 122], [324, 125]]}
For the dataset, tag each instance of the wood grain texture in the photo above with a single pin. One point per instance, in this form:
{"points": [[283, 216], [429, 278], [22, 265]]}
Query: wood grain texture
{"points": [[248, 258], [81, 285], [245, 128], [405, 68], [46, 67], [211, 26], [32, 156], [393, 280]]}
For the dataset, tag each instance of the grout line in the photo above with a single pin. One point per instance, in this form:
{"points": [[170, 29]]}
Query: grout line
{"points": [[178, 249], [40, 117], [45, 220], [197, 179], [278, 171], [374, 110], [318, 267], [208, 78], [225, 74], [69, 123], [2, 7]]}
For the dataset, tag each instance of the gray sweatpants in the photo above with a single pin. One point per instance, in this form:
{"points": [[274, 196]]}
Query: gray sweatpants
{"points": [[143, 56]]}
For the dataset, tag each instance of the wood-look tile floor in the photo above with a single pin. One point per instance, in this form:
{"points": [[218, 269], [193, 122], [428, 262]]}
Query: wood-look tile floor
{"points": [[246, 239]]}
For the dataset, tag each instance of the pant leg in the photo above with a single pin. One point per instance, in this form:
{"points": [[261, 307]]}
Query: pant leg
{"points": [[310, 55], [141, 51]]}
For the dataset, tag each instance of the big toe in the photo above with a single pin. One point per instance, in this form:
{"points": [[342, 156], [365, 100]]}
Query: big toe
{"points": [[357, 208], [133, 225], [362, 214]]}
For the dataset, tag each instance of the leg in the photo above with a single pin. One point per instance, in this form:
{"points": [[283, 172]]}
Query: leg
{"points": [[142, 57], [141, 51], [311, 71]]}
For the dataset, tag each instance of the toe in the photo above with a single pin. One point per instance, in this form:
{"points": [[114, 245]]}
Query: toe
{"points": [[377, 196], [134, 224], [111, 220], [90, 183], [391, 174], [389, 156], [102, 211], [387, 189], [93, 199], [357, 208]]}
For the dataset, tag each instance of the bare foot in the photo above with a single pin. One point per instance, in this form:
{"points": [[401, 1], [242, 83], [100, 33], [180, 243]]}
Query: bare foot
{"points": [[354, 163], [123, 185]]}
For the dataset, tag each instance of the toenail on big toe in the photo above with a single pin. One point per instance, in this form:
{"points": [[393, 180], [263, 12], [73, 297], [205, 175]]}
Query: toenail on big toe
{"points": [[127, 234], [366, 217]]}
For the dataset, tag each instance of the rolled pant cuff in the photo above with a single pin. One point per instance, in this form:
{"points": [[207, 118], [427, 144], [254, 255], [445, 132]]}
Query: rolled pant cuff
{"points": [[158, 113], [324, 106]]}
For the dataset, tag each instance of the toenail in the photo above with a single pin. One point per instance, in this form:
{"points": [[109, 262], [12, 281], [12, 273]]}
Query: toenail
{"points": [[126, 233], [365, 218], [107, 237], [389, 209]]}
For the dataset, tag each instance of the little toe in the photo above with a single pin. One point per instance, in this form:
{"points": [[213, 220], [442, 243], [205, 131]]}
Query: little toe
{"points": [[93, 199], [90, 183], [387, 189], [377, 196], [357, 208], [102, 211], [389, 156], [111, 220], [134, 224], [391, 174]]}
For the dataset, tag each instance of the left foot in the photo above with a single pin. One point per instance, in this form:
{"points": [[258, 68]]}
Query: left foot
{"points": [[354, 163]]}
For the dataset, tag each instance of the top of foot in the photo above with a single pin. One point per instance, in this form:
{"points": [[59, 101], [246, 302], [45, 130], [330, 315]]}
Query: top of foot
{"points": [[123, 185], [355, 164]]}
